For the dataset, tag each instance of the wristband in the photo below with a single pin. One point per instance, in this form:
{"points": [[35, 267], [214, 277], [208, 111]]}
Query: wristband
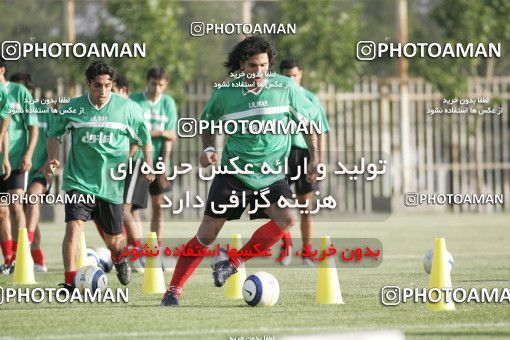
{"points": [[209, 149]]}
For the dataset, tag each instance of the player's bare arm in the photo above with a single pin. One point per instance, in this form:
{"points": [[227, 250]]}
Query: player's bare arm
{"points": [[147, 155], [6, 164], [209, 156], [3, 129], [312, 143], [166, 134], [26, 161], [52, 164]]}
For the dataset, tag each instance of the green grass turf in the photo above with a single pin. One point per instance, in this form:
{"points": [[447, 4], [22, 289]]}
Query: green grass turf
{"points": [[480, 245]]}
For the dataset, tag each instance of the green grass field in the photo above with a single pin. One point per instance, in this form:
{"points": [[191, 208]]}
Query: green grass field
{"points": [[480, 245]]}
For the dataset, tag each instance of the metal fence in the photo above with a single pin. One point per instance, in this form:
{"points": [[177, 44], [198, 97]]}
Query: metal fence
{"points": [[428, 153]]}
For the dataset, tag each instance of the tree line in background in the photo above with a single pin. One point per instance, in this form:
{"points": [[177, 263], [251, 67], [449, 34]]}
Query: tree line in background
{"points": [[328, 31]]}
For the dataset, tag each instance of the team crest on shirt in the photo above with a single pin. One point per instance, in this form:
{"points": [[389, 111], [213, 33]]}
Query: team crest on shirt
{"points": [[101, 138], [260, 103], [99, 118]]}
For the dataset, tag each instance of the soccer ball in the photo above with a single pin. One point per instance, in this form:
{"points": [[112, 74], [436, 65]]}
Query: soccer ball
{"points": [[221, 257], [90, 277], [427, 261], [92, 257], [105, 259], [261, 289]]}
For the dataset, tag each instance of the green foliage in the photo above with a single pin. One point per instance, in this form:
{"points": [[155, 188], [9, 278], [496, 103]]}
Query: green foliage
{"points": [[33, 22], [462, 21], [325, 41], [155, 23]]}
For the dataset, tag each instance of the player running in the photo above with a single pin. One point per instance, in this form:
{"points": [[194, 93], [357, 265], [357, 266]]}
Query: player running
{"points": [[262, 99], [298, 153], [160, 113], [102, 126], [17, 163]]}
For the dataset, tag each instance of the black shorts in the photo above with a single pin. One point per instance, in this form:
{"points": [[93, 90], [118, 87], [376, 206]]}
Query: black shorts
{"points": [[297, 159], [43, 182], [108, 215], [17, 180], [221, 190], [156, 189], [136, 188]]}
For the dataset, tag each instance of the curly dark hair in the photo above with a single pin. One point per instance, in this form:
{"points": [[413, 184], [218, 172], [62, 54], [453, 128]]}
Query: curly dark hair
{"points": [[98, 68], [249, 47]]}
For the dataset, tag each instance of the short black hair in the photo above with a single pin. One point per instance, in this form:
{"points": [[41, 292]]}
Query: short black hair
{"points": [[24, 79], [98, 68], [3, 63], [249, 47], [157, 73], [121, 81], [289, 63]]}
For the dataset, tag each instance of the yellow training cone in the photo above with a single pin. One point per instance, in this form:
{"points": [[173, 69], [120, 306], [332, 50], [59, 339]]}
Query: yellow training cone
{"points": [[234, 284], [24, 268], [440, 278], [153, 279], [83, 259], [328, 287]]}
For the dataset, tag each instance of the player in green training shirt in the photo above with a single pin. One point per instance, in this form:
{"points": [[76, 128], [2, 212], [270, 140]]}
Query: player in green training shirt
{"points": [[160, 114], [102, 125], [17, 163], [5, 119], [136, 188], [37, 184], [298, 153], [264, 98]]}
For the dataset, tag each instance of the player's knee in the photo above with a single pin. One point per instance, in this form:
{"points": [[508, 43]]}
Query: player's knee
{"points": [[127, 212], [114, 242], [286, 220], [156, 211], [4, 213], [16, 209], [206, 238]]}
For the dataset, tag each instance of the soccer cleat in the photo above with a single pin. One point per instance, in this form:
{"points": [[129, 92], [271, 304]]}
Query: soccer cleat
{"points": [[222, 271], [123, 271], [307, 262], [170, 299], [40, 268], [285, 255], [5, 269], [70, 288]]}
